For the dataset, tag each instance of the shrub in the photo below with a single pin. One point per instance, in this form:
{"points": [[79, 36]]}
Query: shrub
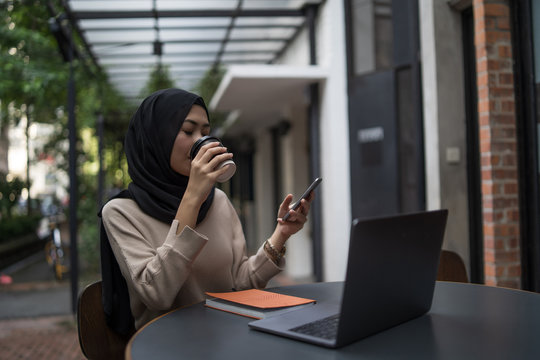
{"points": [[88, 245], [10, 192], [17, 226]]}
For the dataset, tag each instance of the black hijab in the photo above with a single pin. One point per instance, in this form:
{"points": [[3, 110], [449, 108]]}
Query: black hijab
{"points": [[155, 186]]}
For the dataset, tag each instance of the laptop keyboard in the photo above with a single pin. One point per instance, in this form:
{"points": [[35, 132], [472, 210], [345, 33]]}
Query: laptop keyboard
{"points": [[325, 328]]}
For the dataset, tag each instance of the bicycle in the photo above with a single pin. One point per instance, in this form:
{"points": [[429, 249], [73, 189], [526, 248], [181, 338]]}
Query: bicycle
{"points": [[54, 251]]}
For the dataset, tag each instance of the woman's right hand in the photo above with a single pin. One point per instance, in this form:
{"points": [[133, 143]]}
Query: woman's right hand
{"points": [[203, 173], [202, 178]]}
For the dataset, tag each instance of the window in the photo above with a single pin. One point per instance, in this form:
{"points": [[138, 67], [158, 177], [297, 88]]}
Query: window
{"points": [[372, 35]]}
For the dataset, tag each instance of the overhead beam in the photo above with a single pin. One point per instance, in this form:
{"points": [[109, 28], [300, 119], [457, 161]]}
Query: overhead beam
{"points": [[84, 15], [189, 54], [110, 67], [197, 27], [188, 41]]}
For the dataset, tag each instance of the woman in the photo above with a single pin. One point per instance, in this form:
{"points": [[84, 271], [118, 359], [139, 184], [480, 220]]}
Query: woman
{"points": [[174, 235]]}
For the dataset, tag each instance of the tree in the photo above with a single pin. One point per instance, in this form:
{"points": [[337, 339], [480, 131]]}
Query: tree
{"points": [[207, 87], [34, 85], [160, 78], [10, 191], [30, 75], [32, 80]]}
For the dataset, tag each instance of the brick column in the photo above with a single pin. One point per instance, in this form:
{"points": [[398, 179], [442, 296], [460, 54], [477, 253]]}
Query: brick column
{"points": [[498, 147]]}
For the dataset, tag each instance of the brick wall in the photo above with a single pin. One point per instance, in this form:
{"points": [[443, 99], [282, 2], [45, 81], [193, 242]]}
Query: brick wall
{"points": [[497, 124]]}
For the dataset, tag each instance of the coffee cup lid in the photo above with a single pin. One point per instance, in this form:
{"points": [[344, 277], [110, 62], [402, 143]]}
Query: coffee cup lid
{"points": [[199, 143], [231, 169]]}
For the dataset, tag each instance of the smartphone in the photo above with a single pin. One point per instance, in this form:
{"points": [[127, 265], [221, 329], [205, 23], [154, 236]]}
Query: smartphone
{"points": [[306, 193]]}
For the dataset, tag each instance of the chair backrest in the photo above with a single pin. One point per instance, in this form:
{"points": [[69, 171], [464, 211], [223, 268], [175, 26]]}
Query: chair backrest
{"points": [[96, 339], [451, 267]]}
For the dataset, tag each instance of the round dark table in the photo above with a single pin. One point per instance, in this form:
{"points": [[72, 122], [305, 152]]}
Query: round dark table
{"points": [[466, 321]]}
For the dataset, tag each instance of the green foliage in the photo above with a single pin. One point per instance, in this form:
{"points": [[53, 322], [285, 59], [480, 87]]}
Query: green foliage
{"points": [[10, 192], [34, 78], [206, 88], [209, 83], [30, 75], [160, 78], [34, 74], [18, 225], [88, 230]]}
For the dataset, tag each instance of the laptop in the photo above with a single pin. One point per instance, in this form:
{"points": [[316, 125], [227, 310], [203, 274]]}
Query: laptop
{"points": [[390, 279]]}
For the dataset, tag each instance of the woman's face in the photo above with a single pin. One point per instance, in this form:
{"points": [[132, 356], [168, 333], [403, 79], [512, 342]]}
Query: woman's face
{"points": [[195, 126]]}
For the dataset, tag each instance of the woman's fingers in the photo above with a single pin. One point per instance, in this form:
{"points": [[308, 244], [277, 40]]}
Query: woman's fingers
{"points": [[305, 205], [219, 158], [209, 157], [284, 207], [208, 151], [297, 216]]}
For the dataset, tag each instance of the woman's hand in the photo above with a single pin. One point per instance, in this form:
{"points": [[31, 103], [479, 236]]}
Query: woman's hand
{"points": [[297, 218], [295, 222], [203, 173], [202, 177]]}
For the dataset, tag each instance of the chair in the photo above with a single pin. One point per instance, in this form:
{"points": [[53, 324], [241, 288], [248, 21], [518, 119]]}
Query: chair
{"points": [[96, 339], [451, 267]]}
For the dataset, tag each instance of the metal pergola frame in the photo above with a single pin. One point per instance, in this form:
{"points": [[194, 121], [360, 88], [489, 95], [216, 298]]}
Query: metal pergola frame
{"points": [[286, 16], [302, 10]]}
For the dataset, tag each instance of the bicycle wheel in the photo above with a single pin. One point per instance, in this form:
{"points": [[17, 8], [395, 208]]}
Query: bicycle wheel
{"points": [[58, 270], [48, 253]]}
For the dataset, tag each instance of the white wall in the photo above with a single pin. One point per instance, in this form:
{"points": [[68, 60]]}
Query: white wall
{"points": [[265, 212], [334, 191], [294, 157], [444, 119], [430, 104], [295, 160], [298, 51], [334, 130]]}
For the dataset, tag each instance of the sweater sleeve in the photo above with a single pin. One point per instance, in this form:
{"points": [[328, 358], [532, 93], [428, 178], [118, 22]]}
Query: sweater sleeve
{"points": [[155, 274], [254, 271]]}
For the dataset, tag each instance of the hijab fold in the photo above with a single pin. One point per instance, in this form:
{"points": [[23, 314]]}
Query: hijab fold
{"points": [[156, 187]]}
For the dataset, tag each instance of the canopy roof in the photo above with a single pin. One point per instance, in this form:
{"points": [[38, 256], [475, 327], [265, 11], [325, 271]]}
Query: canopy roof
{"points": [[258, 95], [129, 38]]}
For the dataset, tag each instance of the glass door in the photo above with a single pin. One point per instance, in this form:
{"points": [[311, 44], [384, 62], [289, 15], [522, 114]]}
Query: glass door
{"points": [[386, 143], [526, 53]]}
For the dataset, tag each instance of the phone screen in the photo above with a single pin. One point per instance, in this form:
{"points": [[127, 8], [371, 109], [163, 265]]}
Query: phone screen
{"points": [[306, 193]]}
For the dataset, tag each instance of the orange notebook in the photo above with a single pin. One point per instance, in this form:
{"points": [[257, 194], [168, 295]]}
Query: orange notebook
{"points": [[254, 303]]}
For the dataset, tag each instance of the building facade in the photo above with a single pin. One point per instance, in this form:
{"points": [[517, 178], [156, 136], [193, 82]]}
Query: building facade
{"points": [[399, 106]]}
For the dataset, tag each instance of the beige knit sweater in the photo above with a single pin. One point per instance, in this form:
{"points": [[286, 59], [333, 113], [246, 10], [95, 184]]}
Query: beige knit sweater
{"points": [[164, 271]]}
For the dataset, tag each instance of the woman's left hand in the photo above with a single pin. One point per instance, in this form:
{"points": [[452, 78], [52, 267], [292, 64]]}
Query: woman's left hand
{"points": [[297, 218]]}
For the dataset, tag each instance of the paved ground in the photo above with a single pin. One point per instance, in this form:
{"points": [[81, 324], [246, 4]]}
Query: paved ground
{"points": [[34, 291], [49, 337], [36, 321]]}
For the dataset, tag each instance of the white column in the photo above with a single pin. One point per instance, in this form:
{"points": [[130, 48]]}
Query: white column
{"points": [[335, 164], [430, 105]]}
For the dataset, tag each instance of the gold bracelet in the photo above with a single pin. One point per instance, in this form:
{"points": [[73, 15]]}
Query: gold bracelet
{"points": [[270, 253], [281, 253], [274, 254]]}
